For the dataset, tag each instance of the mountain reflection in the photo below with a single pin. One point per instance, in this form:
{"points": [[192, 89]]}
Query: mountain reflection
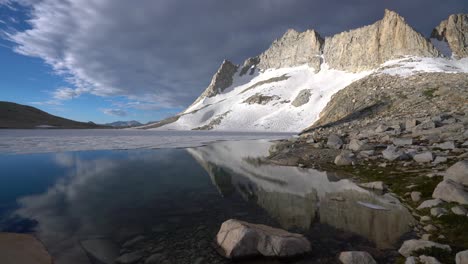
{"points": [[297, 198]]}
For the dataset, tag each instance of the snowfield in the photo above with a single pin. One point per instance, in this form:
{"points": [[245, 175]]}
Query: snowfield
{"points": [[229, 110]]}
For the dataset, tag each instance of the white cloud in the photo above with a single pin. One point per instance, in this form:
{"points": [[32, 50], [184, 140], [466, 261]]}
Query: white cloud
{"points": [[115, 112]]}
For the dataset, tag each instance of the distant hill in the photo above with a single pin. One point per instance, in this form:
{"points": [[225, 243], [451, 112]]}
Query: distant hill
{"points": [[131, 123], [14, 115]]}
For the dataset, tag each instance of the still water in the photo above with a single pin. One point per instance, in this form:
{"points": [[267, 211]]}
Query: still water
{"points": [[92, 206]]}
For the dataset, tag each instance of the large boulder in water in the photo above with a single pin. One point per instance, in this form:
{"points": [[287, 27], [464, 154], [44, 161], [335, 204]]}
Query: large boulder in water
{"points": [[240, 239]]}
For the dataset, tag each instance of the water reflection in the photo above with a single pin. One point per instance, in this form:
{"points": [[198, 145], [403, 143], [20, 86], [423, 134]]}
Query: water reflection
{"points": [[106, 198], [297, 197]]}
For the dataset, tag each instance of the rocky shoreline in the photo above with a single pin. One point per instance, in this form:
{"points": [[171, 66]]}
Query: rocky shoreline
{"points": [[423, 162]]}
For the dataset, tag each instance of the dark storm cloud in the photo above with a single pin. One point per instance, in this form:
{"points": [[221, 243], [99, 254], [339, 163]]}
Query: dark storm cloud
{"points": [[166, 51]]}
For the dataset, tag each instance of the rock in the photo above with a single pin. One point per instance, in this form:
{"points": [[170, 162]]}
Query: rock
{"points": [[411, 260], [133, 241], [129, 258], [334, 142], [103, 250], [440, 159], [458, 210], [261, 99], [302, 98], [359, 145], [241, 239], [449, 145], [415, 196], [222, 79], [410, 246], [392, 153], [428, 124], [454, 31], [410, 123], [430, 228], [249, 66], [367, 47], [458, 172], [426, 237], [429, 204], [22, 249], [402, 141], [343, 159], [293, 49], [462, 257], [451, 191], [437, 211], [378, 185], [381, 128], [425, 218], [424, 157], [356, 257], [428, 260]]}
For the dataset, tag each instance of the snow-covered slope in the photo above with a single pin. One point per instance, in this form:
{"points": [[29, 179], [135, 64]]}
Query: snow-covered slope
{"points": [[231, 110]]}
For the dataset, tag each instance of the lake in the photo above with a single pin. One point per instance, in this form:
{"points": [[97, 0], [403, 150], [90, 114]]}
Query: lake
{"points": [[91, 206]]}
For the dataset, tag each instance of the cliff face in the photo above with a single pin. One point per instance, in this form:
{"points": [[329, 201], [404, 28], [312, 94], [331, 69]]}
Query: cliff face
{"points": [[367, 47], [293, 49], [454, 31]]}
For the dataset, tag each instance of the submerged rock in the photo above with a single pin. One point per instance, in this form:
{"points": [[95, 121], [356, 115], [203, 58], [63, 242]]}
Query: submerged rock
{"points": [[356, 257], [240, 239]]}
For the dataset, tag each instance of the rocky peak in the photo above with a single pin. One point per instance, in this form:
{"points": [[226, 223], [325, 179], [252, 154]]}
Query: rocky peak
{"points": [[293, 49], [249, 66], [454, 31], [367, 47]]}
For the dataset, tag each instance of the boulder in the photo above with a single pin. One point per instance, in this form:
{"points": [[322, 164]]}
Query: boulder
{"points": [[22, 249], [458, 172], [240, 239], [410, 246], [424, 157], [428, 260], [458, 210], [392, 153], [381, 128], [334, 142], [415, 196], [378, 185], [451, 191], [344, 159], [410, 123], [462, 257], [402, 141], [440, 159], [429, 204], [437, 211], [359, 145], [411, 260], [425, 125], [356, 257], [302, 98], [449, 145]]}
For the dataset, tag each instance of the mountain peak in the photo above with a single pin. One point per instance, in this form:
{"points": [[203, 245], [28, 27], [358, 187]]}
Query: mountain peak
{"points": [[392, 15], [454, 31]]}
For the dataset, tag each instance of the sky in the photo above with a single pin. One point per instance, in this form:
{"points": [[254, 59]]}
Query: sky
{"points": [[109, 60]]}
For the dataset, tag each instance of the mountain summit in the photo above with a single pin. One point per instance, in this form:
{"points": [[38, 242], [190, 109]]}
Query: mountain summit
{"points": [[288, 86]]}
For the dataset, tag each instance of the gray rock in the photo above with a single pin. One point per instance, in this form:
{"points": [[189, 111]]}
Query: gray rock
{"points": [[392, 153], [334, 142], [449, 145], [249, 66], [425, 125], [402, 141], [302, 98], [454, 31], [410, 123], [410, 246], [293, 49], [425, 218], [343, 159], [426, 237], [411, 260], [260, 99], [222, 79], [359, 145], [377, 185], [416, 196], [462, 257], [424, 157], [241, 239], [458, 210], [430, 228], [356, 257], [440, 159], [367, 47], [458, 172], [130, 258], [451, 191], [428, 260], [429, 204], [437, 211]]}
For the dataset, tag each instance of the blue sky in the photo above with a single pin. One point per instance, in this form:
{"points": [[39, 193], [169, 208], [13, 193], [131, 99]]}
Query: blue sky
{"points": [[145, 60]]}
